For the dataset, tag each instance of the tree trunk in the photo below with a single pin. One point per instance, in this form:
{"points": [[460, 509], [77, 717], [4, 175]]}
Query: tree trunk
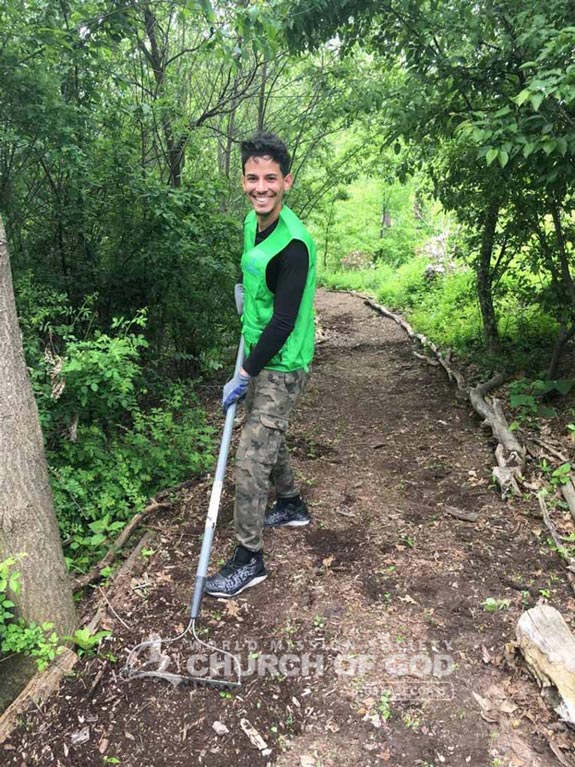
{"points": [[484, 277], [566, 277], [262, 97], [565, 335], [28, 523]]}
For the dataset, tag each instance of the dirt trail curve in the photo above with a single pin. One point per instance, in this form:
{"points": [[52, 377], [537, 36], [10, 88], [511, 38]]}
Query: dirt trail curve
{"points": [[372, 617]]}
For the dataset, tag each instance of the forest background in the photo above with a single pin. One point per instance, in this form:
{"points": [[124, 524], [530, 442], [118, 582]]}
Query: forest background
{"points": [[432, 146]]}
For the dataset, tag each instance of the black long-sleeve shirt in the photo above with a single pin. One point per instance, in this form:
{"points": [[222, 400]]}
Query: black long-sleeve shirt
{"points": [[286, 275]]}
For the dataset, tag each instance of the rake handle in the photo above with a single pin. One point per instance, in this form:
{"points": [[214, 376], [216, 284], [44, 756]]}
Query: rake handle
{"points": [[215, 498]]}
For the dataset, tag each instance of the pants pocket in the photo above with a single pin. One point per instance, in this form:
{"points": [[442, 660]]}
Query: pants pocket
{"points": [[260, 441]]}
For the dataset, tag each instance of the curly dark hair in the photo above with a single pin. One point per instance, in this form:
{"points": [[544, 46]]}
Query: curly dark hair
{"points": [[265, 144]]}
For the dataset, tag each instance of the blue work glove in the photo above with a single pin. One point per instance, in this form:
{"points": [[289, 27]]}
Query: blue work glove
{"points": [[239, 296], [235, 390]]}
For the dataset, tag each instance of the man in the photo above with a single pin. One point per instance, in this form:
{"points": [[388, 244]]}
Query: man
{"points": [[278, 266]]}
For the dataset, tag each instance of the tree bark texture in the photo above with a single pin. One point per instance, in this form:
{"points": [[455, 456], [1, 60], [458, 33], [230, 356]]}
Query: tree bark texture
{"points": [[28, 523], [484, 277]]}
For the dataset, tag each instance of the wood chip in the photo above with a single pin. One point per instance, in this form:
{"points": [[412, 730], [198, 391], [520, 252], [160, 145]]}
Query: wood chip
{"points": [[255, 738], [80, 736], [463, 514], [220, 728]]}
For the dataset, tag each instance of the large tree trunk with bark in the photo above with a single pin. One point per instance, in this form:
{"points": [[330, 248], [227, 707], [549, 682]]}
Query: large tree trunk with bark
{"points": [[27, 520]]}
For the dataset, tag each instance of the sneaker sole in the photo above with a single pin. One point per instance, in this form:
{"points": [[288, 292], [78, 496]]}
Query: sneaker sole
{"points": [[292, 523], [223, 595]]}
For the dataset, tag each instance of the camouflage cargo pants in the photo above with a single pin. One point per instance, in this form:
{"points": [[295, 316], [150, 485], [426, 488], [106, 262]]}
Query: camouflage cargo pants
{"points": [[262, 453]]}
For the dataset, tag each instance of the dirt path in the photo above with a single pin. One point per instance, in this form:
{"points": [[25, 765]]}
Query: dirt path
{"points": [[369, 637]]}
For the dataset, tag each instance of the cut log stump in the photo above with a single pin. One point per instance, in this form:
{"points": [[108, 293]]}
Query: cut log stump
{"points": [[548, 646]]}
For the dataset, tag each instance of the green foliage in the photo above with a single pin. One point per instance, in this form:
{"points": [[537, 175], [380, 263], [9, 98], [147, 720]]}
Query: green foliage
{"points": [[100, 479], [86, 641], [526, 397], [110, 443], [371, 221], [556, 477], [35, 640], [9, 584], [384, 705], [493, 605]]}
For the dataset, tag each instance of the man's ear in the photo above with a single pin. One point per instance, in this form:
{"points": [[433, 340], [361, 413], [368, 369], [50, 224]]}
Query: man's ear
{"points": [[288, 181]]}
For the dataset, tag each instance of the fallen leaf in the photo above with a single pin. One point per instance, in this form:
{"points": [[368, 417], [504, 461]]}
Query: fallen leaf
{"points": [[486, 708], [408, 599], [232, 608]]}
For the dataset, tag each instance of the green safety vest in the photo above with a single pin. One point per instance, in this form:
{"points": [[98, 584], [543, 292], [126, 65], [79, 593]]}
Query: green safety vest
{"points": [[297, 352]]}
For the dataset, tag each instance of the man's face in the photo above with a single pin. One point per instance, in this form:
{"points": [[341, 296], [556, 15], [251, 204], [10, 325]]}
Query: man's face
{"points": [[265, 185]]}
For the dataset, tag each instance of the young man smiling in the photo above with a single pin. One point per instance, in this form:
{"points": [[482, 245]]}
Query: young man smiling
{"points": [[278, 266]]}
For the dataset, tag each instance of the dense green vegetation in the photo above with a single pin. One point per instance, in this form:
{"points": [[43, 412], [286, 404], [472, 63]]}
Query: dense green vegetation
{"points": [[424, 134]]}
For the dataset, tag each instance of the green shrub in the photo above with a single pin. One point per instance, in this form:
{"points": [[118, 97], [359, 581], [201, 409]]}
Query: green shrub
{"points": [[448, 312], [103, 477], [32, 639], [110, 442]]}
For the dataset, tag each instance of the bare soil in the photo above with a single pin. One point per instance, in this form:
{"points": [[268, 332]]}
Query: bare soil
{"points": [[369, 643]]}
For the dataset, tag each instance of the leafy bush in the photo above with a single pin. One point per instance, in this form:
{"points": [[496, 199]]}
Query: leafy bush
{"points": [[102, 477], [32, 639], [448, 313], [110, 443]]}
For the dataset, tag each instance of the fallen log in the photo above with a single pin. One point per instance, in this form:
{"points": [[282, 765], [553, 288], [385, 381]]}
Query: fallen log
{"points": [[548, 647], [45, 683], [568, 492]]}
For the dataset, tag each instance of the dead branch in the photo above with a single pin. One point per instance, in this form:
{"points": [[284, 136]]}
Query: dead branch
{"points": [[425, 358], [557, 540], [120, 541]]}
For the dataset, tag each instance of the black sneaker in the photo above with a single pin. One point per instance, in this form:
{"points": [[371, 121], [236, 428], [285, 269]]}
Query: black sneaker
{"points": [[288, 512], [244, 569]]}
